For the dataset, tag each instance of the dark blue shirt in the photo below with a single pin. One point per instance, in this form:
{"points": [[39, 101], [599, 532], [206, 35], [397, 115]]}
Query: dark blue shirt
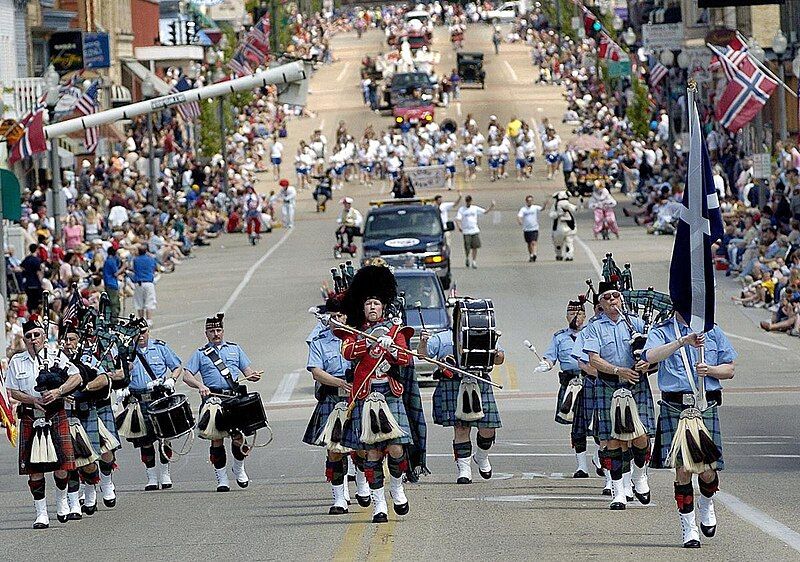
{"points": [[110, 270], [144, 269]]}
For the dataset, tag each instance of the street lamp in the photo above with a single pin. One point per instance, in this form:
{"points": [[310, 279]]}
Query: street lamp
{"points": [[757, 50], [779, 46], [667, 57], [218, 76], [629, 36], [149, 92], [52, 81]]}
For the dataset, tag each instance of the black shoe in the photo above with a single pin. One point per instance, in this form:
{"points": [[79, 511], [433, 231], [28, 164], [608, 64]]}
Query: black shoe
{"points": [[151, 488], [463, 480], [363, 501], [336, 510], [401, 509], [694, 543], [109, 503], [380, 518], [629, 498], [644, 499], [599, 471], [63, 518], [606, 492], [41, 526], [580, 474], [534, 257], [242, 484], [531, 259], [223, 489], [559, 258], [89, 509], [617, 506], [166, 486], [708, 531], [485, 475], [74, 517]]}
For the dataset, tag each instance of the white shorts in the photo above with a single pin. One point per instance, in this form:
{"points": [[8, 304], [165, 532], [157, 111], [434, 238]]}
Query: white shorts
{"points": [[144, 296]]}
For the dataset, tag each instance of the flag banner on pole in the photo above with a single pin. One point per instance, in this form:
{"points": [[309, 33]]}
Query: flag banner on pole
{"points": [[87, 105], [746, 93], [188, 111], [691, 271], [33, 140], [253, 50]]}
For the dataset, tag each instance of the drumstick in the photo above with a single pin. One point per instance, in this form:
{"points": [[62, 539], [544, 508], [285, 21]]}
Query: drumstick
{"points": [[529, 345], [254, 374], [418, 306]]}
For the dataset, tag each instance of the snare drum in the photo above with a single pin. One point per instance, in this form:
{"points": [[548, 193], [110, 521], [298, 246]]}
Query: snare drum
{"points": [[244, 414], [171, 416], [474, 334]]}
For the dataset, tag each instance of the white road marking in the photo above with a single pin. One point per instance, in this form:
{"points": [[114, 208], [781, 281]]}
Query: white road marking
{"points": [[285, 388], [532, 497], [236, 292], [343, 71], [496, 217], [511, 71], [450, 455], [458, 108], [599, 270], [761, 520], [759, 342]]}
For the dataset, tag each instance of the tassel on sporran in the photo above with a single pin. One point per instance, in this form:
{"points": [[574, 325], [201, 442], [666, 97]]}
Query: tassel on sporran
{"points": [[108, 442], [43, 450], [626, 424], [567, 408], [377, 421], [210, 423], [693, 443], [333, 431], [130, 422], [81, 446], [469, 406]]}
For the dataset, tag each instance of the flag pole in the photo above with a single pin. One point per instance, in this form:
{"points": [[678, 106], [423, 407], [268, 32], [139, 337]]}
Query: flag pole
{"points": [[763, 67]]}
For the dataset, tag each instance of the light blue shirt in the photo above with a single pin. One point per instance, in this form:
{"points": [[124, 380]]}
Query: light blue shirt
{"points": [[440, 345], [231, 354], [560, 349], [161, 359], [611, 341], [577, 348], [325, 352], [672, 375]]}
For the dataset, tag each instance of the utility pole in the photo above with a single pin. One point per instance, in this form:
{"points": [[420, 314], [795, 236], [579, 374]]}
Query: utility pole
{"points": [[275, 27]]}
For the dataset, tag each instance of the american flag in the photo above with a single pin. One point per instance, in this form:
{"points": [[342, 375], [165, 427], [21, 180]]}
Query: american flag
{"points": [[71, 313], [657, 73], [239, 65], [191, 110], [253, 50], [33, 140], [87, 105]]}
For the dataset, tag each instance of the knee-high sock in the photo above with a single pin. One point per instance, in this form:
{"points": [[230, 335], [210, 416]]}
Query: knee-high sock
{"points": [[640, 456], [462, 450], [373, 470], [612, 462], [236, 451], [398, 466], [74, 484], [148, 455], [37, 488], [484, 443], [708, 489], [90, 478], [579, 444], [61, 483], [334, 472], [105, 466], [684, 497], [627, 457], [217, 456]]}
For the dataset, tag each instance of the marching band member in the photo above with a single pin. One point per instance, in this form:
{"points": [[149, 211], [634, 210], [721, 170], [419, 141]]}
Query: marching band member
{"points": [[215, 368], [445, 405], [677, 350], [328, 367], [607, 343], [38, 379], [376, 394], [560, 350], [154, 371]]}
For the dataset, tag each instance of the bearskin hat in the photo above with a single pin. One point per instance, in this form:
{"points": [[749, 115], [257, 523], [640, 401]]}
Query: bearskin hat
{"points": [[371, 281]]}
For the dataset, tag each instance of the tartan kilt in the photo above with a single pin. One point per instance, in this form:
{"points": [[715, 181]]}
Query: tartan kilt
{"points": [[88, 419], [668, 418], [320, 417], [584, 423], [106, 415], [62, 439], [351, 436], [604, 391], [445, 399]]}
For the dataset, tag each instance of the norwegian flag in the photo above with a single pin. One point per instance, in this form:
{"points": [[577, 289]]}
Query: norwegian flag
{"points": [[657, 73], [87, 105], [191, 110], [608, 49], [33, 140], [747, 92], [735, 51]]}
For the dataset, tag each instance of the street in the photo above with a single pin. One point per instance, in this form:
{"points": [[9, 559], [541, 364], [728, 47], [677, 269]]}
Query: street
{"points": [[531, 508]]}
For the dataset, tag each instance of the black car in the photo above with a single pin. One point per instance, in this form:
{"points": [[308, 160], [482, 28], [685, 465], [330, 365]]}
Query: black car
{"points": [[470, 69], [408, 233]]}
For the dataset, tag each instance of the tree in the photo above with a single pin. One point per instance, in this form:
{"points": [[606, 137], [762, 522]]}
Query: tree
{"points": [[638, 112]]}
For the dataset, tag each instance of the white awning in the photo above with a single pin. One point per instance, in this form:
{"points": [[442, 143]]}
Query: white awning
{"points": [[141, 72], [120, 94]]}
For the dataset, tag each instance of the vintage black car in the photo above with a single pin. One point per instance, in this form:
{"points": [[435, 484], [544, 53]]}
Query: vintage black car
{"points": [[470, 68]]}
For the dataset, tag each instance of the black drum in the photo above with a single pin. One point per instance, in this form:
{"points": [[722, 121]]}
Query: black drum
{"points": [[244, 414], [171, 416], [474, 334]]}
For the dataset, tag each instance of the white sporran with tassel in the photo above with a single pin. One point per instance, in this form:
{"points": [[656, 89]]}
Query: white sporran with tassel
{"points": [[469, 406], [331, 435], [566, 409], [81, 445], [130, 422], [108, 443], [210, 423], [625, 422], [43, 450], [377, 421]]}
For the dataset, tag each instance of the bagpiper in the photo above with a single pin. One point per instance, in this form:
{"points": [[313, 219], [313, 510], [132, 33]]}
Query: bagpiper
{"points": [[39, 378], [376, 416]]}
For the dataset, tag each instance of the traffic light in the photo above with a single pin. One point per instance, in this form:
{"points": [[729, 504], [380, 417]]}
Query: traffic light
{"points": [[172, 33], [191, 32]]}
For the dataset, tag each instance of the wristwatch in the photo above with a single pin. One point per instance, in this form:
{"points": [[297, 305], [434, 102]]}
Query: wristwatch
{"points": [[616, 371]]}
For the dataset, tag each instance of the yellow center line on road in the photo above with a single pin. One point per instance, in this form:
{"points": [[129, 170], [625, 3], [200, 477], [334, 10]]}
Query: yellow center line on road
{"points": [[382, 543], [513, 381], [353, 537]]}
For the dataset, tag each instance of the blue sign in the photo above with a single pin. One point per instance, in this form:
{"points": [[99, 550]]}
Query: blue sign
{"points": [[96, 53]]}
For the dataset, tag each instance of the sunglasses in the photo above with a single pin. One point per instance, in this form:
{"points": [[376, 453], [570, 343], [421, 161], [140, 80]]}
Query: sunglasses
{"points": [[34, 335], [610, 295]]}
